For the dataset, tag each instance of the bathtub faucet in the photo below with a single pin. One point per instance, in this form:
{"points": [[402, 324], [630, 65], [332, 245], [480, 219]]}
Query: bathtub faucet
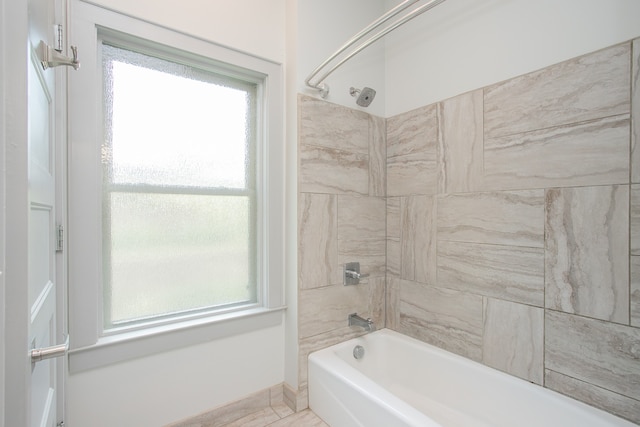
{"points": [[367, 324]]}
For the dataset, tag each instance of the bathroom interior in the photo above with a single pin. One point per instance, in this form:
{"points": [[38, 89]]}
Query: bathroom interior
{"points": [[490, 190]]}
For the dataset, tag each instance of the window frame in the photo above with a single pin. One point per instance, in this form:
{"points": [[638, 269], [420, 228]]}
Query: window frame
{"points": [[90, 347]]}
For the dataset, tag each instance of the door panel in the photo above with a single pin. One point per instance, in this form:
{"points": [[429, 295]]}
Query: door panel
{"points": [[42, 287]]}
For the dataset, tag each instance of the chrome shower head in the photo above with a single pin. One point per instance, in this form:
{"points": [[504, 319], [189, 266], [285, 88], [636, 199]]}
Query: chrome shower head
{"points": [[365, 96]]}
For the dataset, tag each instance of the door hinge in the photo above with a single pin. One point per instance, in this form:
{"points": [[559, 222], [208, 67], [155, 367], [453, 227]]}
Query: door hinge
{"points": [[59, 238], [59, 41]]}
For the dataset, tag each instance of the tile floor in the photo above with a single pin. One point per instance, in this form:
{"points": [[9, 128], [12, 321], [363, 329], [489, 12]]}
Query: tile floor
{"points": [[279, 416]]}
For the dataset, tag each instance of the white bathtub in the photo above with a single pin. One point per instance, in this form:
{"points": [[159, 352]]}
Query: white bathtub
{"points": [[401, 382]]}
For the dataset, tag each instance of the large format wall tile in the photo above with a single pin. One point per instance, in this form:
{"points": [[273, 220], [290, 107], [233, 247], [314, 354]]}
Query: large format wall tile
{"points": [[587, 255], [443, 317], [325, 309], [504, 218], [513, 339], [394, 258], [620, 405], [377, 156], [587, 153], [602, 353], [635, 113], [586, 88], [460, 143], [361, 233], [634, 219], [329, 125], [329, 170], [412, 143], [635, 291], [394, 288], [513, 273], [318, 241], [417, 240]]}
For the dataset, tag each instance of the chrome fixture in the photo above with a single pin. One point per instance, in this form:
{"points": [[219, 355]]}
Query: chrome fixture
{"points": [[365, 95], [367, 324], [375, 25], [358, 352], [50, 57], [352, 274], [38, 354]]}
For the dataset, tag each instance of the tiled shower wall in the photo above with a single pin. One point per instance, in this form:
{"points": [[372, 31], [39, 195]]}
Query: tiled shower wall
{"points": [[512, 225], [341, 218]]}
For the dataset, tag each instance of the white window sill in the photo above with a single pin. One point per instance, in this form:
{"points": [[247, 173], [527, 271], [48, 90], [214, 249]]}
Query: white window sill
{"points": [[140, 343]]}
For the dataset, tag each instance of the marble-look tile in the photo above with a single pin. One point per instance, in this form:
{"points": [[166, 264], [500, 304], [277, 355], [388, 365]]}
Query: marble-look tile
{"points": [[601, 353], [412, 161], [587, 251], [634, 219], [257, 419], [504, 218], [443, 317], [324, 309], [581, 89], [393, 236], [290, 396], [512, 273], [587, 153], [635, 291], [513, 339], [460, 143], [302, 398], [635, 113], [282, 409], [305, 418], [328, 125], [412, 132], [377, 156], [606, 400], [318, 241], [318, 342], [394, 257], [228, 413], [330, 170], [418, 240], [361, 233], [412, 174], [393, 217], [393, 303], [276, 394]]}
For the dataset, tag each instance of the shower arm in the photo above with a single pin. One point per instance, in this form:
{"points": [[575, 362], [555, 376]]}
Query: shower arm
{"points": [[323, 88]]}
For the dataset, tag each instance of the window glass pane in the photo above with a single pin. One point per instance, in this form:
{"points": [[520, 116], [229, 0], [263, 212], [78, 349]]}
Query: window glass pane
{"points": [[172, 253], [179, 200], [171, 124]]}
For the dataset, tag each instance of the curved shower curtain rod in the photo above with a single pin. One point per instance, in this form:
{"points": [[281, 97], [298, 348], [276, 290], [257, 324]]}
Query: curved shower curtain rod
{"points": [[324, 88]]}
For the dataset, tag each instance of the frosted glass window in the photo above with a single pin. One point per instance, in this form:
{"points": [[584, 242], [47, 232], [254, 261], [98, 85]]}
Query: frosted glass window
{"points": [[179, 194]]}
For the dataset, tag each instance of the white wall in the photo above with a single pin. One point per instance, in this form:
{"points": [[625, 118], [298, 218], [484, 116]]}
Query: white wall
{"points": [[463, 45], [252, 26], [166, 387], [3, 61], [323, 27], [291, 209], [154, 391]]}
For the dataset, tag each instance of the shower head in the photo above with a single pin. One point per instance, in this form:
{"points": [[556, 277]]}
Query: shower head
{"points": [[365, 96]]}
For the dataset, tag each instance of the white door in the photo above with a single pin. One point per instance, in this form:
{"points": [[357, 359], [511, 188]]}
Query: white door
{"points": [[44, 334]]}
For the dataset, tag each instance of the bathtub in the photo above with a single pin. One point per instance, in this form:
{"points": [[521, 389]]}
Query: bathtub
{"points": [[401, 382]]}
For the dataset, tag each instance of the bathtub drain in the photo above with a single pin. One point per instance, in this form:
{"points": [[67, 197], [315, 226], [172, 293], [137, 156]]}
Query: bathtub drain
{"points": [[358, 352]]}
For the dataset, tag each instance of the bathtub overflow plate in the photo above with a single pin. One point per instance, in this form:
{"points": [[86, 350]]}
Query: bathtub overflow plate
{"points": [[358, 352]]}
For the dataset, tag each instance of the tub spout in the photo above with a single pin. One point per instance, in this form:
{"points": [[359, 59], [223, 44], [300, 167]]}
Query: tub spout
{"points": [[367, 324]]}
